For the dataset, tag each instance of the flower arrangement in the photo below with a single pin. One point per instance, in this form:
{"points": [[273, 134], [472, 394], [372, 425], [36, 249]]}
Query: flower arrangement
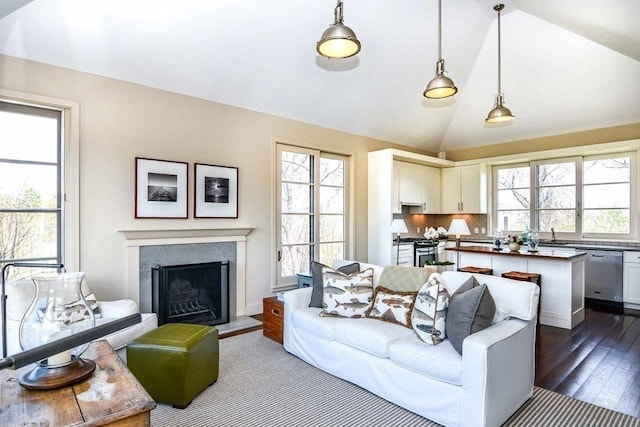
{"points": [[434, 235], [514, 238]]}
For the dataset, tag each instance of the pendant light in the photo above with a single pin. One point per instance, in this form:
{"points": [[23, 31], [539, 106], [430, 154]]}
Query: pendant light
{"points": [[338, 41], [440, 86], [500, 113]]}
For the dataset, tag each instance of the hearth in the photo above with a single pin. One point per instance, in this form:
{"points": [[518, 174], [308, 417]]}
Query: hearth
{"points": [[191, 293]]}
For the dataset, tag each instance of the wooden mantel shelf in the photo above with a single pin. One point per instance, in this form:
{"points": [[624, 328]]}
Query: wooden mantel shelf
{"points": [[184, 233]]}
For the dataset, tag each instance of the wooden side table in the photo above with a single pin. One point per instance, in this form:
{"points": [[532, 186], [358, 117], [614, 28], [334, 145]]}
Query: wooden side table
{"points": [[273, 318], [111, 396]]}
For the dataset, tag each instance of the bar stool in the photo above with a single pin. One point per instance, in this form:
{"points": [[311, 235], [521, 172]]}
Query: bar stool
{"points": [[526, 277], [477, 270]]}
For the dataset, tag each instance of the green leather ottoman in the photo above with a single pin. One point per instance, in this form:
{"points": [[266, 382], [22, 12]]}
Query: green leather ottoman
{"points": [[175, 362]]}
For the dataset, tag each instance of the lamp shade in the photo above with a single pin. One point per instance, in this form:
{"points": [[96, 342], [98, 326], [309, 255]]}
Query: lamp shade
{"points": [[398, 226], [458, 227], [500, 113], [440, 86], [338, 41]]}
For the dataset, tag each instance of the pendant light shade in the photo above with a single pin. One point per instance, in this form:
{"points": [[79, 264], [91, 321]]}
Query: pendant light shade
{"points": [[499, 113], [440, 86], [338, 41]]}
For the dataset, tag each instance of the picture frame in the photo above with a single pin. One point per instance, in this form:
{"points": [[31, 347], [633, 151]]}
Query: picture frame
{"points": [[215, 191], [161, 188]]}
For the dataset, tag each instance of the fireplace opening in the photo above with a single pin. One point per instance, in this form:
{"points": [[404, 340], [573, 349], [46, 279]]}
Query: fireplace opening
{"points": [[191, 293]]}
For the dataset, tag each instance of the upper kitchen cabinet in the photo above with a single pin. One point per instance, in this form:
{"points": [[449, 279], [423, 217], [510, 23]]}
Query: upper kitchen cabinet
{"points": [[417, 187], [464, 189], [397, 178]]}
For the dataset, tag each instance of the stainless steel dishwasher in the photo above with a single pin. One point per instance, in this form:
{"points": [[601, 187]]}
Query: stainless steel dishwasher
{"points": [[603, 275]]}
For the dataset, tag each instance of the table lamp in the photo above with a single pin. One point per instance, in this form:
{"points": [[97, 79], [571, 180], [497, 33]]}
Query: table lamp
{"points": [[458, 226], [398, 226]]}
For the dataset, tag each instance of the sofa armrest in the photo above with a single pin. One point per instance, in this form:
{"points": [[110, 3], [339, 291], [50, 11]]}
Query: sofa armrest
{"points": [[498, 372], [297, 298], [117, 308]]}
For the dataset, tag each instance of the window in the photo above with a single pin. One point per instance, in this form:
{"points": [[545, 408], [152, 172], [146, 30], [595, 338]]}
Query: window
{"points": [[579, 197], [312, 213], [607, 195], [513, 195], [556, 197], [30, 185]]}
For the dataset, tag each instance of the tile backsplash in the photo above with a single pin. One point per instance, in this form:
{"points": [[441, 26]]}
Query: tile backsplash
{"points": [[418, 223]]}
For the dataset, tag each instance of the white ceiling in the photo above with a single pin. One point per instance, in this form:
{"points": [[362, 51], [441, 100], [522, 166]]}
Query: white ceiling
{"points": [[567, 65]]}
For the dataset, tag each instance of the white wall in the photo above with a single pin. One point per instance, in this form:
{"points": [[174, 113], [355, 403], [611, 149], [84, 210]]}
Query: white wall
{"points": [[119, 121]]}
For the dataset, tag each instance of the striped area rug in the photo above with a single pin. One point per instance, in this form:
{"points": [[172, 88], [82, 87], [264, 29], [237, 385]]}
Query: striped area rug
{"points": [[262, 385]]}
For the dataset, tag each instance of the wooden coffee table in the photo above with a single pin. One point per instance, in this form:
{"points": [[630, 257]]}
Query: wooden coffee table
{"points": [[111, 396]]}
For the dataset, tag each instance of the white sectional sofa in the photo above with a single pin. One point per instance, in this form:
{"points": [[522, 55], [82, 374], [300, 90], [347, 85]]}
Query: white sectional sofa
{"points": [[482, 387], [20, 295]]}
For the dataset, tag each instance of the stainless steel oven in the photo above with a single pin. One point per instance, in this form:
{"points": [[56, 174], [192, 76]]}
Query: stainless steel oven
{"points": [[424, 252]]}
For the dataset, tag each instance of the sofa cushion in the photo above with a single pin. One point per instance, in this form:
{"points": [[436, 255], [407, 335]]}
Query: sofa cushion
{"points": [[513, 299], [392, 306], [346, 295], [471, 309], [307, 321], [404, 278], [441, 362], [430, 311], [370, 335], [316, 277]]}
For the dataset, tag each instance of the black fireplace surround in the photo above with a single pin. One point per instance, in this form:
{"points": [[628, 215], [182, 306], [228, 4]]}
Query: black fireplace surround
{"points": [[191, 293]]}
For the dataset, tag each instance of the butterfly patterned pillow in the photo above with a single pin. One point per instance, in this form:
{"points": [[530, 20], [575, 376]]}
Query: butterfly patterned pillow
{"points": [[430, 311], [346, 295]]}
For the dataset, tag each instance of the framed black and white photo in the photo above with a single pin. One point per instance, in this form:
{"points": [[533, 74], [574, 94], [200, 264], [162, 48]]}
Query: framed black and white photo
{"points": [[216, 191], [161, 189]]}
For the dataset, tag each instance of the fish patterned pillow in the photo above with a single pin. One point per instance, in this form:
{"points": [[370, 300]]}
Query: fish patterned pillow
{"points": [[430, 311], [392, 306], [346, 295]]}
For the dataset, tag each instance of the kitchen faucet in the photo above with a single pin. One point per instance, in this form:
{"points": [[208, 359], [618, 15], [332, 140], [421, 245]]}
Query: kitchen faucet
{"points": [[553, 236]]}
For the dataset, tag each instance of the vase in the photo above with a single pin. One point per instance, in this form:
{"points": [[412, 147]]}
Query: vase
{"points": [[532, 242], [514, 247], [58, 310]]}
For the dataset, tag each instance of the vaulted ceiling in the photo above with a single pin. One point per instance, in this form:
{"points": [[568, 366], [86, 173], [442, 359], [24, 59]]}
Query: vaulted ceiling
{"points": [[567, 65]]}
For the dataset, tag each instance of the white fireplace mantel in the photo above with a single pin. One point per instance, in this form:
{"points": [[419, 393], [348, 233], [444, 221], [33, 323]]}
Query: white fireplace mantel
{"points": [[134, 239]]}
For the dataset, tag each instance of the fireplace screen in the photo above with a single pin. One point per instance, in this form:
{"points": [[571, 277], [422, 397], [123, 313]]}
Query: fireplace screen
{"points": [[192, 293]]}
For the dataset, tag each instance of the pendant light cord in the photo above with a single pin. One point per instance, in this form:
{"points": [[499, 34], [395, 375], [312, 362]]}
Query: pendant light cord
{"points": [[499, 56], [439, 30]]}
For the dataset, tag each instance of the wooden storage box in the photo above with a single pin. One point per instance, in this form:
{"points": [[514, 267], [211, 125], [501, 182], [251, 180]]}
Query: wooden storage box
{"points": [[273, 318]]}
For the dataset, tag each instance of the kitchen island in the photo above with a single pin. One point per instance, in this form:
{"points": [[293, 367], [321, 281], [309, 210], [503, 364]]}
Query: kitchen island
{"points": [[561, 271]]}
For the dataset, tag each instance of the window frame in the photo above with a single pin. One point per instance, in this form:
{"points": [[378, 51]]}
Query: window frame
{"points": [[287, 282], [633, 179], [496, 188], [70, 167], [535, 214], [579, 160]]}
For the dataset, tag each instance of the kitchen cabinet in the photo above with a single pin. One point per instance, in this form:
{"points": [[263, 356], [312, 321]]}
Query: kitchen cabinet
{"points": [[385, 176], [631, 277], [464, 189], [417, 187], [404, 254]]}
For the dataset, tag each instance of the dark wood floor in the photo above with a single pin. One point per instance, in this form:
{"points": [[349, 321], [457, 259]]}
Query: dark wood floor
{"points": [[597, 362]]}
